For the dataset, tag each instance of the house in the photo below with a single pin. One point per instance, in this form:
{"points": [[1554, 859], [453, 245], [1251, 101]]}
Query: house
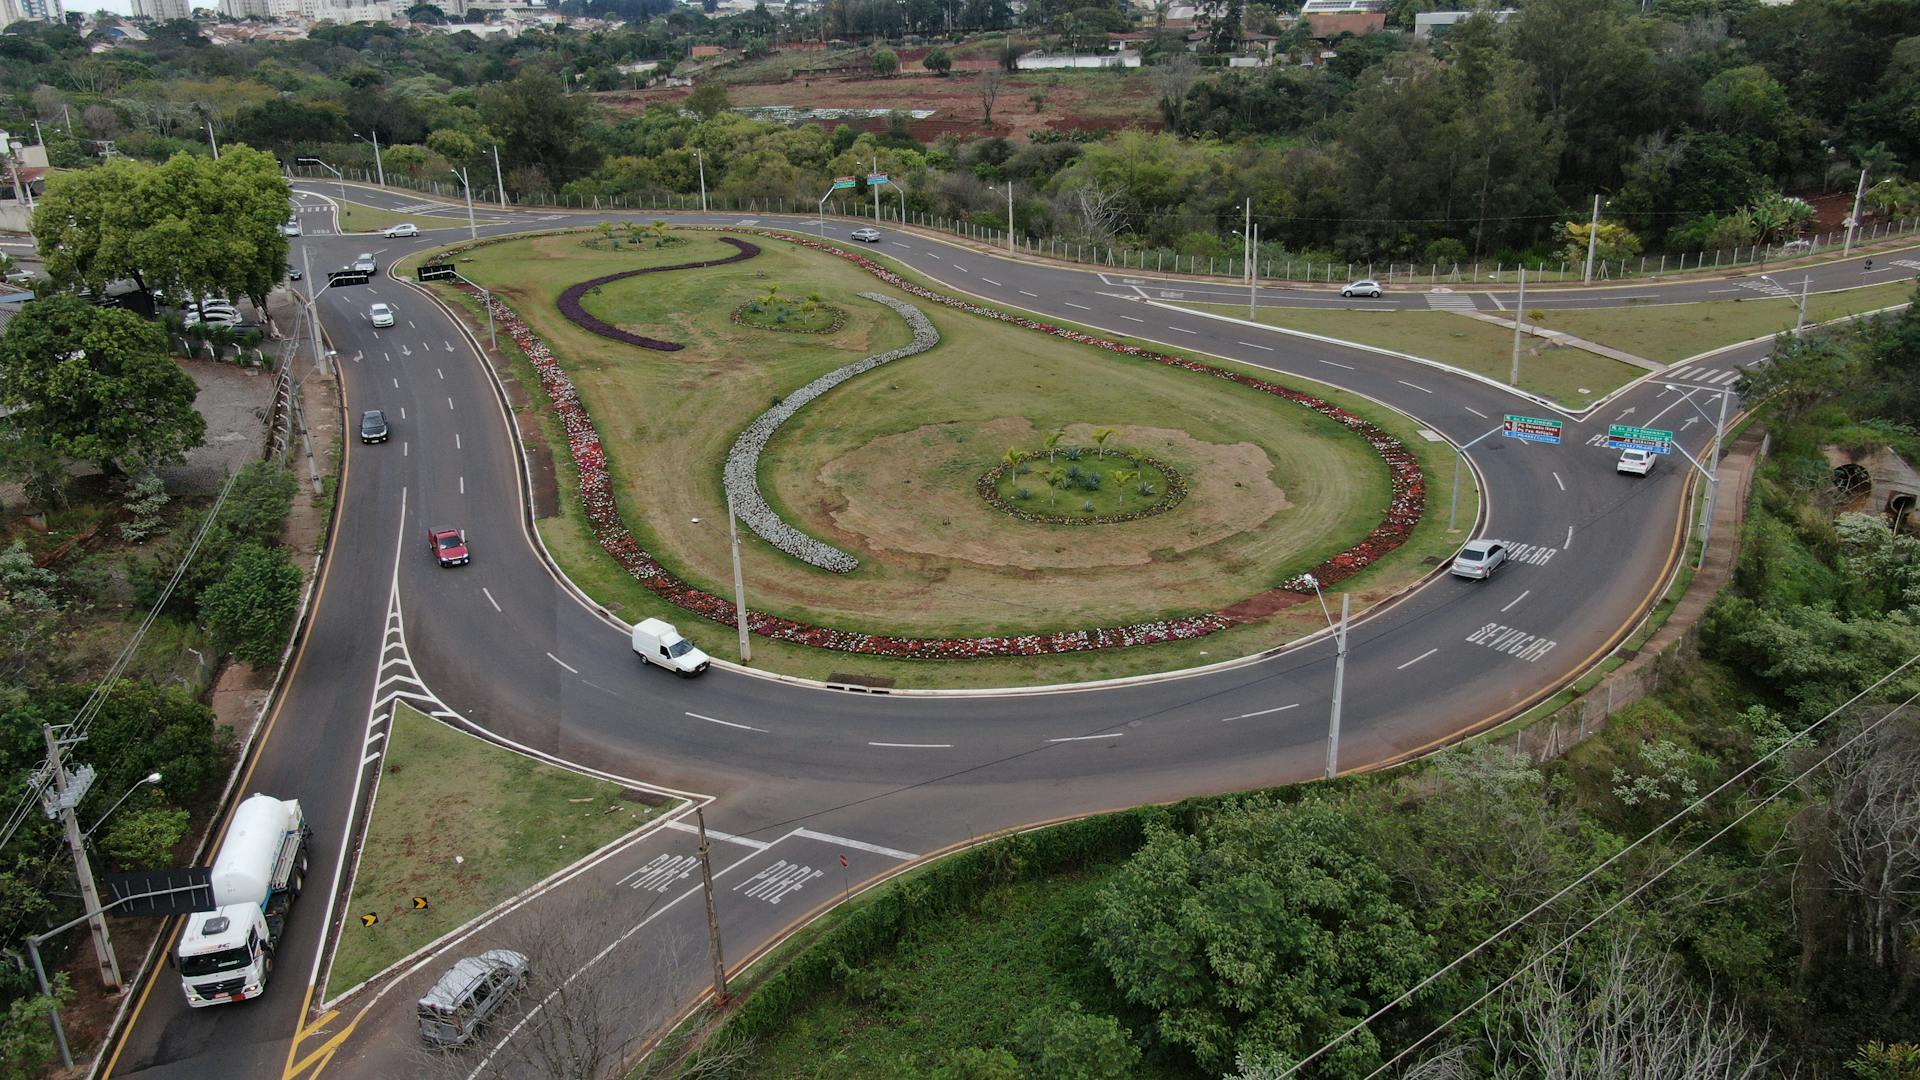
{"points": [[701, 52], [1331, 18], [1431, 24]]}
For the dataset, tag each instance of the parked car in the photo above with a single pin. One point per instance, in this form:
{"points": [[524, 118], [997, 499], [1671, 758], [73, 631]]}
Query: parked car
{"points": [[380, 315], [1479, 559], [657, 642], [453, 1010], [365, 263], [1637, 462], [867, 234], [449, 546], [405, 228], [373, 426], [1363, 287]]}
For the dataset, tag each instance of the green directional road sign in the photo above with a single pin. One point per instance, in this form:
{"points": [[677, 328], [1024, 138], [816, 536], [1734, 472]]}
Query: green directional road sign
{"points": [[1532, 429], [840, 182], [1627, 437]]}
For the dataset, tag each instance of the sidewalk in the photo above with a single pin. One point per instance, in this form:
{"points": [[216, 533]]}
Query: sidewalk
{"points": [[1561, 338]]}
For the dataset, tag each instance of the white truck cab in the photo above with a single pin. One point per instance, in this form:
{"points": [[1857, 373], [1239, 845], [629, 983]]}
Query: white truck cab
{"points": [[657, 642], [226, 954]]}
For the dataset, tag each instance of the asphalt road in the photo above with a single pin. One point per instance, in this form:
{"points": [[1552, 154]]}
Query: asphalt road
{"points": [[800, 776]]}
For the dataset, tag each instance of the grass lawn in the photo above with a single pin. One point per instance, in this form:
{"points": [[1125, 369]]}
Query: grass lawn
{"points": [[985, 385], [1572, 377], [361, 218], [1673, 332], [446, 794], [968, 981]]}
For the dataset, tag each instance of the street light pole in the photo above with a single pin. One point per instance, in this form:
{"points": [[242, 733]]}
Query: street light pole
{"points": [[473, 233], [1853, 222], [150, 778], [1713, 477], [1593, 241], [499, 184], [871, 173], [739, 588], [701, 159], [1519, 317], [1339, 683], [379, 168], [214, 145], [1253, 279]]}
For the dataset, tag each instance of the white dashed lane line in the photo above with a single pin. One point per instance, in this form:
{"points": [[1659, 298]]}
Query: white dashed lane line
{"points": [[1085, 738], [1262, 348], [1082, 307], [1475, 411], [456, 440], [1416, 386], [1330, 363], [1182, 329], [1130, 318], [1523, 595], [990, 281], [1416, 659], [1557, 480], [727, 723], [449, 403], [490, 599], [914, 745], [1262, 712], [563, 663], [1035, 295]]}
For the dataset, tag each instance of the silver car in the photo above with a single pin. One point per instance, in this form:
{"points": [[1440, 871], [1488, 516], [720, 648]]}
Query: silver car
{"points": [[452, 1011], [1479, 559]]}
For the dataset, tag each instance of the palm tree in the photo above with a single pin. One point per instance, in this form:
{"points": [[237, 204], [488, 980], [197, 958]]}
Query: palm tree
{"points": [[1101, 436], [773, 294], [1013, 459], [1123, 477], [1052, 443]]}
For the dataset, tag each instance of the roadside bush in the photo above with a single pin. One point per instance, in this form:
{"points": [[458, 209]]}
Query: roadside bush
{"points": [[145, 838], [250, 610], [1075, 1046], [254, 513]]}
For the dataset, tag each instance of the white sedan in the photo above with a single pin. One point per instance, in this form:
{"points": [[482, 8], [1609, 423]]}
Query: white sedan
{"points": [[1637, 462], [868, 235], [405, 228], [380, 315]]}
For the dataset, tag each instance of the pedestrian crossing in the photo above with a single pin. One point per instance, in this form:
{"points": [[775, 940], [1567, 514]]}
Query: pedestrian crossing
{"points": [[1767, 288], [1910, 264], [1450, 301], [1705, 375]]}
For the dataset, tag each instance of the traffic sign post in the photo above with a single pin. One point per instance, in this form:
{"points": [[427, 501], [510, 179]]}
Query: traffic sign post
{"points": [[436, 272], [1627, 437], [1532, 429]]}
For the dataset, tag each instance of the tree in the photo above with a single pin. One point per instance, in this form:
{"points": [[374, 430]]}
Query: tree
{"points": [[708, 100], [96, 384], [988, 87], [1616, 241], [250, 610], [540, 125], [1072, 1045], [885, 62], [938, 61], [26, 1040], [143, 838], [429, 14], [1269, 928]]}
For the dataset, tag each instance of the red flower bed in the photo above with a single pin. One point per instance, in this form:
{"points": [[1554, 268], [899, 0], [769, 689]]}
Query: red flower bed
{"points": [[579, 316], [603, 513]]}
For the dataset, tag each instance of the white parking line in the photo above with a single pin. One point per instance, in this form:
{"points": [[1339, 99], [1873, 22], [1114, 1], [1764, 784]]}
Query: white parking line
{"points": [[1416, 659], [563, 663], [1557, 480], [1416, 386], [1262, 348], [490, 599], [1262, 712], [914, 745], [1517, 599], [1084, 738], [727, 723]]}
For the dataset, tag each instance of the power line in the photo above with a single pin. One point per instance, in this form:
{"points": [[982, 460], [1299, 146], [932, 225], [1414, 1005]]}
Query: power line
{"points": [[1588, 876]]}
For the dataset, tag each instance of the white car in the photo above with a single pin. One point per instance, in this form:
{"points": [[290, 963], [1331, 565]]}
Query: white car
{"points": [[405, 228], [380, 315], [1637, 462], [366, 264], [291, 228], [1479, 559], [1363, 287], [868, 235]]}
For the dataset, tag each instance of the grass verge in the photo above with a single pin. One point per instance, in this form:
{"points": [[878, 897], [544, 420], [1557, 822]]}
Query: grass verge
{"points": [[465, 824], [1672, 332], [1573, 377], [361, 218]]}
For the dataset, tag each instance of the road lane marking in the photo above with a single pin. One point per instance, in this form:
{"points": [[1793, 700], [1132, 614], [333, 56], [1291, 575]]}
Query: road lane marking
{"points": [[857, 845], [403, 447], [1416, 386], [1569, 544], [1130, 318], [1035, 295], [396, 384], [727, 723], [1262, 348], [403, 412], [1475, 411], [1523, 595], [1182, 329], [449, 403], [463, 485], [1330, 363], [1085, 738], [440, 373], [456, 440], [716, 834], [915, 745], [1531, 554], [563, 663], [369, 759], [490, 599], [1557, 480], [1506, 639], [1262, 712], [1416, 659], [990, 281], [1082, 307]]}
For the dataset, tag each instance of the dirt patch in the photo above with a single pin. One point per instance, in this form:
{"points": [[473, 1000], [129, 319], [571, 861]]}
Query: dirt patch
{"points": [[913, 494]]}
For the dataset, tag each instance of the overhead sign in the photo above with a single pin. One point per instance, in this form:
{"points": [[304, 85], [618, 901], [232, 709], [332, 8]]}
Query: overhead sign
{"points": [[840, 182], [1532, 429], [308, 161], [878, 178], [436, 272], [1627, 437], [347, 277]]}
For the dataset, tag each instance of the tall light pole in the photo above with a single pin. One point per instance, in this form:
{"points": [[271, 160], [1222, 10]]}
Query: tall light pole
{"points": [[1853, 222], [1519, 316], [996, 187], [1800, 302], [214, 145], [150, 778], [739, 589], [379, 168], [473, 233], [499, 184], [1593, 241], [871, 173], [1339, 671], [700, 159]]}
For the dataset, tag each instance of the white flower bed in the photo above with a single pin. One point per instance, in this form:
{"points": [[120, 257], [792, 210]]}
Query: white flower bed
{"points": [[743, 461]]}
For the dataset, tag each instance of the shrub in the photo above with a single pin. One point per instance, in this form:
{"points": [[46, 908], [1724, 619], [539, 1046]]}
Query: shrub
{"points": [[250, 610], [145, 499], [1023, 493], [1086, 507]]}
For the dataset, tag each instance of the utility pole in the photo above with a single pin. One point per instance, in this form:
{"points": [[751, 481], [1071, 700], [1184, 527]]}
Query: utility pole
{"points": [[1800, 322], [1713, 477], [499, 184], [720, 994], [1253, 278], [739, 589], [1339, 683], [379, 168], [1593, 241], [210, 142], [1853, 222], [1519, 316], [701, 159], [871, 173], [473, 233], [68, 791]]}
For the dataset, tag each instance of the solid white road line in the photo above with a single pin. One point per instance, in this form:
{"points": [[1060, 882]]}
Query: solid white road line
{"points": [[490, 599], [1416, 660], [1084, 738], [726, 723], [1557, 480], [1517, 599], [915, 745], [1416, 386], [829, 838], [716, 834], [1262, 712], [563, 663], [1262, 348], [1082, 307], [1475, 411]]}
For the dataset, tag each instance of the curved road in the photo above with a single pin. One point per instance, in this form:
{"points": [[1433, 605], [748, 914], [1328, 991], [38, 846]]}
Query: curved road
{"points": [[800, 778]]}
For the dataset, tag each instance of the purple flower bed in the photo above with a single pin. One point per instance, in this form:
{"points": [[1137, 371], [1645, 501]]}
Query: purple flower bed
{"points": [[579, 316], [603, 513]]}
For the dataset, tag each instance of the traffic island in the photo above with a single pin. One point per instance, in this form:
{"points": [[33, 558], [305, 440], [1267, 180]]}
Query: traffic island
{"points": [[458, 825]]}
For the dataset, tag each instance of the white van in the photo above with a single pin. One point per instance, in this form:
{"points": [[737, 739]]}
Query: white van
{"points": [[452, 1011], [657, 642]]}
